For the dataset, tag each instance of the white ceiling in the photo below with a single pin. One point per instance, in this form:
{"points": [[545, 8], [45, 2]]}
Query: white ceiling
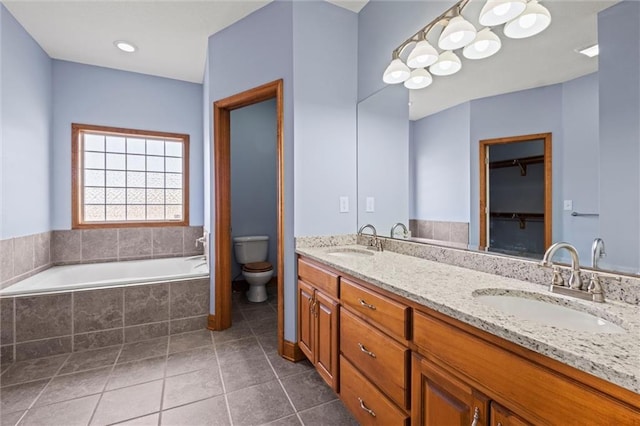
{"points": [[171, 35], [547, 58]]}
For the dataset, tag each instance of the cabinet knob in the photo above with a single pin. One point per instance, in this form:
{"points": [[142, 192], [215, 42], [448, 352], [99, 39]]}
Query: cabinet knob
{"points": [[476, 417], [366, 351], [365, 408], [366, 305]]}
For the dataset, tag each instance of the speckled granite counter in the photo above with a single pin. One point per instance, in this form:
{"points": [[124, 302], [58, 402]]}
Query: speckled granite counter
{"points": [[450, 290]]}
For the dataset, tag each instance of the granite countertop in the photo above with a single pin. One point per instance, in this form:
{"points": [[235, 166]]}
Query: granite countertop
{"points": [[451, 290]]}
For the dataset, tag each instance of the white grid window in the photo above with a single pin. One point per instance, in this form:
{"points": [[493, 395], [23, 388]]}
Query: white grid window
{"points": [[124, 176]]}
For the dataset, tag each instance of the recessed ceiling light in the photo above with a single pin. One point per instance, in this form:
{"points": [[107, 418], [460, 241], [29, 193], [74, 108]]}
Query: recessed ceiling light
{"points": [[590, 51], [125, 46]]}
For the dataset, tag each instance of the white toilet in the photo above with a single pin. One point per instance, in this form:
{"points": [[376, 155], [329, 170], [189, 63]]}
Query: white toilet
{"points": [[252, 252]]}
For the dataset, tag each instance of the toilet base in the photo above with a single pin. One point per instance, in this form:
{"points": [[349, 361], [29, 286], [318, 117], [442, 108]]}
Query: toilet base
{"points": [[257, 293]]}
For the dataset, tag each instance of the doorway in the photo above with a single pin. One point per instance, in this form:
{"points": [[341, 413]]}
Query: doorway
{"points": [[515, 194], [222, 172]]}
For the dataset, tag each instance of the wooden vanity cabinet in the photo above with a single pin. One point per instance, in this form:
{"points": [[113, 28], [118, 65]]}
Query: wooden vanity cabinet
{"points": [[439, 398], [375, 357], [318, 319], [456, 363]]}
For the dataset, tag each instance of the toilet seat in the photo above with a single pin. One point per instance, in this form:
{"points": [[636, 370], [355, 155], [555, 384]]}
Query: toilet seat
{"points": [[257, 267]]}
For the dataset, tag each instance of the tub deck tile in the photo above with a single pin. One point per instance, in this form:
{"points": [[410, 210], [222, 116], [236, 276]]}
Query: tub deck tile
{"points": [[97, 310]]}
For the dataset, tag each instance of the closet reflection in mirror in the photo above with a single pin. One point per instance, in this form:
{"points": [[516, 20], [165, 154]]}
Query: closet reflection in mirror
{"points": [[425, 171]]}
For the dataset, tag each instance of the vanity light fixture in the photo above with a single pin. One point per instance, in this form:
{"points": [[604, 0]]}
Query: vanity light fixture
{"points": [[591, 51], [125, 46], [535, 19], [522, 20]]}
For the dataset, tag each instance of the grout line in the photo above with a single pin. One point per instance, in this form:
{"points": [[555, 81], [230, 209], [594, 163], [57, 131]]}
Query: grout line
{"points": [[164, 376], [48, 383], [73, 325], [15, 344], [224, 388], [104, 387]]}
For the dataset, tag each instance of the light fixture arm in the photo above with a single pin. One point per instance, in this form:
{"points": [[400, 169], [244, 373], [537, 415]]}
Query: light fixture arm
{"points": [[442, 19]]}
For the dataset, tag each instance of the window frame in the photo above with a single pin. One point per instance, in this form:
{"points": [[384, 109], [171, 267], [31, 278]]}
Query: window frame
{"points": [[77, 176]]}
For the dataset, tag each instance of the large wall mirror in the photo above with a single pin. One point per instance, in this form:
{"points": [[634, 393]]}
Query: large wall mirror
{"points": [[419, 151]]}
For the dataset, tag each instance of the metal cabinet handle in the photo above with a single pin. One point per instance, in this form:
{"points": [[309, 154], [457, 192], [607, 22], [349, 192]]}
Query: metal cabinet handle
{"points": [[365, 408], [366, 305], [499, 424], [476, 417], [366, 351]]}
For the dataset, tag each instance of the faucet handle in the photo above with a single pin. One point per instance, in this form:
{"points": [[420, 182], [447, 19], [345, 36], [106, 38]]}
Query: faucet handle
{"points": [[595, 288], [557, 277]]}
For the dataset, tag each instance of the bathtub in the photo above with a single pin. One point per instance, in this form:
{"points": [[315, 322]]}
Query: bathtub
{"points": [[88, 306], [108, 274]]}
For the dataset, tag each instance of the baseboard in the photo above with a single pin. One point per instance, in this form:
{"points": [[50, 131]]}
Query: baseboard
{"points": [[291, 352], [211, 322]]}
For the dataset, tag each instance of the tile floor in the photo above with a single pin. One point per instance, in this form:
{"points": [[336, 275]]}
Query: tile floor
{"points": [[232, 377]]}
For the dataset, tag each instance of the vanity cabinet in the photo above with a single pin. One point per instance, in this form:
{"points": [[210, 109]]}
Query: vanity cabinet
{"points": [[318, 319], [456, 364], [375, 357]]}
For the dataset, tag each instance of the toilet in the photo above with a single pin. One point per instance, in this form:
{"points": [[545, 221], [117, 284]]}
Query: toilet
{"points": [[251, 252]]}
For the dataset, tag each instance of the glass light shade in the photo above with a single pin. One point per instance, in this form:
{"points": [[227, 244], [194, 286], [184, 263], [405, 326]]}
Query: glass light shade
{"points": [[448, 63], [458, 33], [485, 45], [496, 12], [419, 79], [396, 72], [422, 55], [535, 19]]}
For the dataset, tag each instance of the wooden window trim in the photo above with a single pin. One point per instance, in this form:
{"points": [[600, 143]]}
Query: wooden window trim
{"points": [[77, 185]]}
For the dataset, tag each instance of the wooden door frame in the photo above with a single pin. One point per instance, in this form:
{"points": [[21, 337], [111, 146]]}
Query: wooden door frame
{"points": [[222, 170], [548, 201]]}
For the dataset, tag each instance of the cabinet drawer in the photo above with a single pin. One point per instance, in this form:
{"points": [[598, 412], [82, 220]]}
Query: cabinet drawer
{"points": [[383, 360], [318, 277], [388, 314], [367, 404], [508, 378]]}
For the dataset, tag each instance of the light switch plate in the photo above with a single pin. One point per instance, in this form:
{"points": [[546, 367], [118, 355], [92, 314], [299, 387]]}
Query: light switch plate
{"points": [[344, 204], [568, 204], [371, 207]]}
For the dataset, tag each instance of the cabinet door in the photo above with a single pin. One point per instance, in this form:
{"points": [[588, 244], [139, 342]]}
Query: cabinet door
{"points": [[326, 349], [439, 399], [306, 320], [500, 416]]}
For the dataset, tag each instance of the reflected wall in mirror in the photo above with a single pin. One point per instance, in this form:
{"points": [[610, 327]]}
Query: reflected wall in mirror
{"points": [[593, 120]]}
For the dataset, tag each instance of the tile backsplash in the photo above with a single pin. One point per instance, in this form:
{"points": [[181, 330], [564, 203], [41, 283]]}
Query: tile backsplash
{"points": [[455, 232], [22, 257]]}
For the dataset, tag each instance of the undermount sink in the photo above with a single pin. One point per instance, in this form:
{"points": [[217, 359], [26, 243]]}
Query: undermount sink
{"points": [[548, 311], [349, 252]]}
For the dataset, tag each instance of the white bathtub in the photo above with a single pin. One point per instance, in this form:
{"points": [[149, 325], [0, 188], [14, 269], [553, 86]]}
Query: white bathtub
{"points": [[99, 275]]}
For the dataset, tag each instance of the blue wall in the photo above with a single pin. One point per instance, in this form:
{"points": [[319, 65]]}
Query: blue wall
{"points": [[254, 51], [94, 95], [619, 61], [310, 38], [254, 189], [324, 96], [26, 131], [440, 155]]}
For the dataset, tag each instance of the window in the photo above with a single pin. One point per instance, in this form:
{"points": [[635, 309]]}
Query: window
{"points": [[124, 177]]}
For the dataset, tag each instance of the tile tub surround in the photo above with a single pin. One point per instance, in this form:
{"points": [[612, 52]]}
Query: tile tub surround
{"points": [[33, 326], [454, 232], [448, 289], [22, 257], [193, 378]]}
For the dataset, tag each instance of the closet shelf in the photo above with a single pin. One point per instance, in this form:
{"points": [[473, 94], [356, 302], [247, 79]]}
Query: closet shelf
{"points": [[522, 163]]}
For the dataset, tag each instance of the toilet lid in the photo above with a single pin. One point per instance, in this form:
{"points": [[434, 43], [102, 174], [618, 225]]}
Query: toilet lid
{"points": [[257, 267]]}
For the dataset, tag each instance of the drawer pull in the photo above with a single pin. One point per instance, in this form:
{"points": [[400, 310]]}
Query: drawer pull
{"points": [[366, 351], [366, 305], [365, 408], [476, 417]]}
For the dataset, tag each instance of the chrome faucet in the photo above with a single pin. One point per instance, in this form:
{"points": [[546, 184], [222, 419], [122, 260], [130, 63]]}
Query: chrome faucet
{"points": [[401, 225], [374, 243], [575, 282], [597, 251], [595, 287]]}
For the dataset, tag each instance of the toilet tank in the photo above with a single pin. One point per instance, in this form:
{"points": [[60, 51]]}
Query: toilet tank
{"points": [[251, 248]]}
